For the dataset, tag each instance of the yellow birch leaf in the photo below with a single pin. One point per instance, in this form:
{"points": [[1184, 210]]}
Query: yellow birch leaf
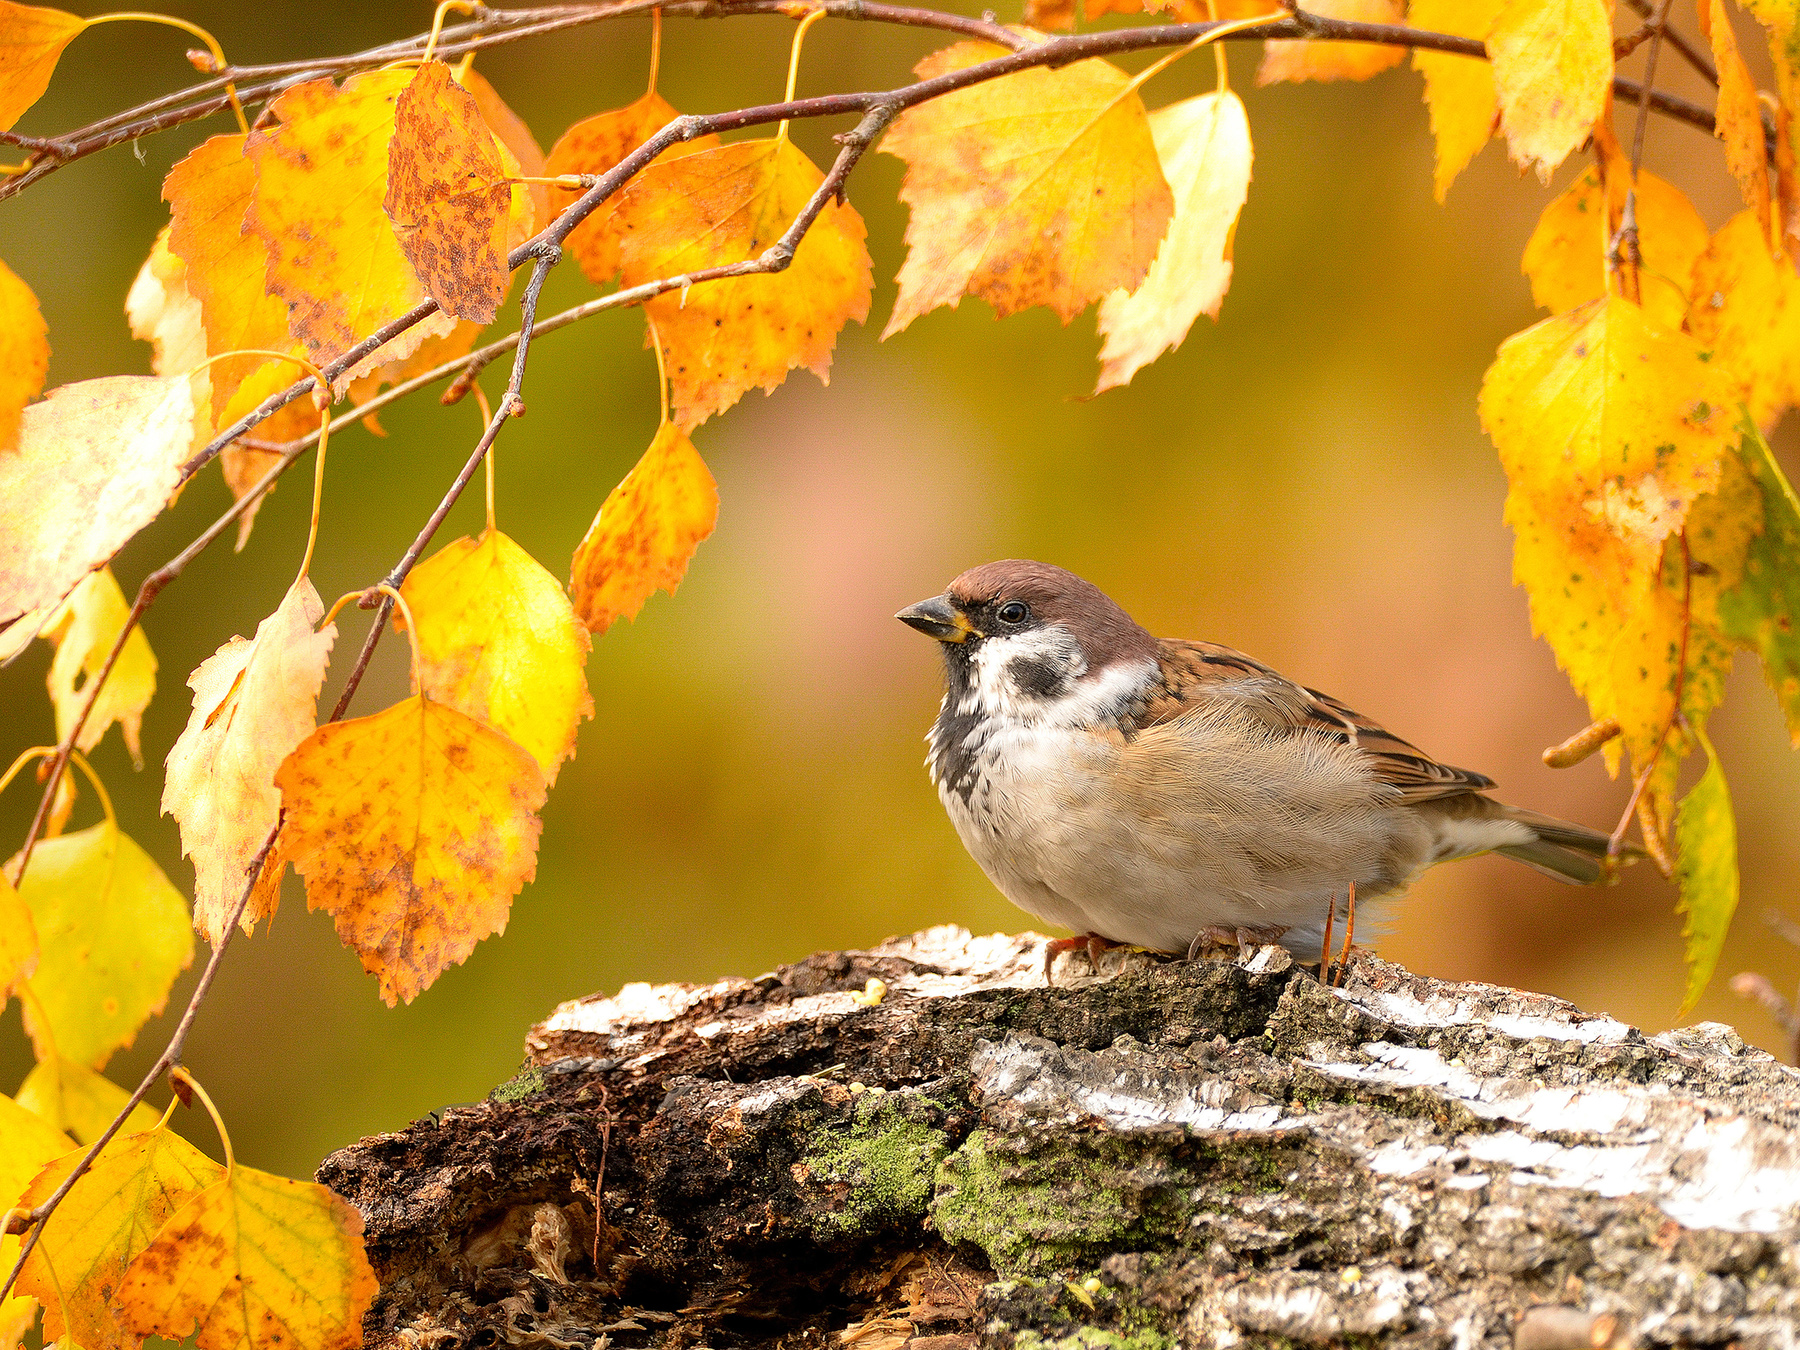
{"points": [[321, 176], [31, 41], [1204, 146], [1058, 16], [1612, 427], [646, 532], [1553, 66], [1706, 870], [1566, 254], [24, 353], [1459, 90], [595, 145], [516, 137], [75, 1099], [1039, 188], [1746, 309], [254, 701], [253, 1262], [1738, 115], [97, 461], [84, 630], [414, 829], [1781, 22], [1760, 611], [454, 211], [728, 205], [18, 940], [27, 1144], [1297, 59], [113, 935], [110, 1216], [497, 640]]}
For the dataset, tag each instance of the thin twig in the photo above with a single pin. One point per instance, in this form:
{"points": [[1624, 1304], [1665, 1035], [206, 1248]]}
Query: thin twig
{"points": [[1690, 53], [496, 28]]}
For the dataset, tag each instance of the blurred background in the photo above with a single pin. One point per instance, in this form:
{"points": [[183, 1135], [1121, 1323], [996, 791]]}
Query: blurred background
{"points": [[1305, 480]]}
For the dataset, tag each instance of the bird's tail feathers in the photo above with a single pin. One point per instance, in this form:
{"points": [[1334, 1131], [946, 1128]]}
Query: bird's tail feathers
{"points": [[1561, 849]]}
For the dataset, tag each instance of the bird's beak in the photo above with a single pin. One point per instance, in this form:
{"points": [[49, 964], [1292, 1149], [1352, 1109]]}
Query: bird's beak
{"points": [[938, 618]]}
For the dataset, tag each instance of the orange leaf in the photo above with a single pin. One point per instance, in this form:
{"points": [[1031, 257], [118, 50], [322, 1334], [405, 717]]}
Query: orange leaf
{"points": [[1553, 66], [254, 701], [646, 533], [593, 146], [1301, 60], [516, 137], [1204, 145], [1039, 188], [97, 461], [227, 267], [253, 1262], [728, 205], [1056, 15], [31, 41], [24, 353], [1746, 308], [107, 1219], [1739, 115], [454, 212], [414, 828], [321, 177], [1566, 255], [1459, 90], [498, 641]]}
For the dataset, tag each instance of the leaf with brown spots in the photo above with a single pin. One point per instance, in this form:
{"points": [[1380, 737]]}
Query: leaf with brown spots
{"points": [[1615, 437], [1553, 67], [24, 353], [101, 1227], [1296, 59], [727, 205], [321, 170], [1038, 188], [97, 461], [593, 146], [31, 41], [414, 829], [254, 701], [498, 641], [646, 533], [454, 211], [112, 933], [253, 1262]]}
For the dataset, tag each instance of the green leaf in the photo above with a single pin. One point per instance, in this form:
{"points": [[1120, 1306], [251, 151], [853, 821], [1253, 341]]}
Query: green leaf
{"points": [[1761, 611], [112, 934], [1707, 873]]}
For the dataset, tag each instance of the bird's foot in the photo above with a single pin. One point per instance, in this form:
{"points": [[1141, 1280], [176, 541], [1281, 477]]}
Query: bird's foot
{"points": [[1215, 937], [1092, 943], [1336, 970]]}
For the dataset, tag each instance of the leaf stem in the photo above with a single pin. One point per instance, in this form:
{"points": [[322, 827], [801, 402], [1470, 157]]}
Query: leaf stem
{"points": [[781, 132], [437, 22], [655, 47], [194, 30], [181, 1078]]}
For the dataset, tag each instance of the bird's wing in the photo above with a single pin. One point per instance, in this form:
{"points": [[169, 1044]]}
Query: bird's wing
{"points": [[1197, 675]]}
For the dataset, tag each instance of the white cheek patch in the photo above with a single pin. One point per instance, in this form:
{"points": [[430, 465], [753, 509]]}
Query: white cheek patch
{"points": [[1080, 698]]}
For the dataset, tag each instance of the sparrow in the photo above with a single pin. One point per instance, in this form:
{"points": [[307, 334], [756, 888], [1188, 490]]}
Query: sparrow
{"points": [[1168, 794]]}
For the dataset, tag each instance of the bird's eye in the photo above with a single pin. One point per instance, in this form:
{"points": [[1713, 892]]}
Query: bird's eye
{"points": [[1014, 611]]}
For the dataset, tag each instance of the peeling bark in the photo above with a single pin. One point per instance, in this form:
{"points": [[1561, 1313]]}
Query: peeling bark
{"points": [[1210, 1155]]}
